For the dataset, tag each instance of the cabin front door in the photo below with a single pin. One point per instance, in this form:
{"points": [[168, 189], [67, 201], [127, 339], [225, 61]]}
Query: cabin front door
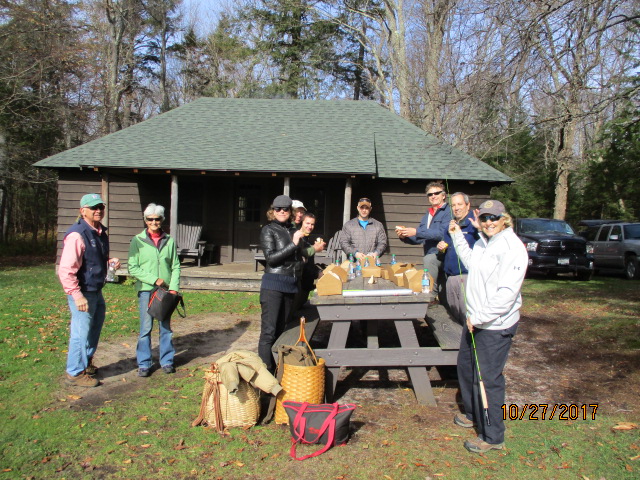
{"points": [[248, 218]]}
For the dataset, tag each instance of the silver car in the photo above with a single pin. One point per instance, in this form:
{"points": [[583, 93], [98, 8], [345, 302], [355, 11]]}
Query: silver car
{"points": [[616, 247]]}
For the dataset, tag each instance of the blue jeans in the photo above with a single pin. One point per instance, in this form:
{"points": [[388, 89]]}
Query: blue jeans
{"points": [[84, 331], [143, 350]]}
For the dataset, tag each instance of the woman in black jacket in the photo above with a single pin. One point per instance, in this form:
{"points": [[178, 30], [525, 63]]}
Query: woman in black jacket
{"points": [[280, 242]]}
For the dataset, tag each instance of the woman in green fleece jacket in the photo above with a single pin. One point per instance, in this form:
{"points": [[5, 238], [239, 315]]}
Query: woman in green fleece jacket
{"points": [[153, 260]]}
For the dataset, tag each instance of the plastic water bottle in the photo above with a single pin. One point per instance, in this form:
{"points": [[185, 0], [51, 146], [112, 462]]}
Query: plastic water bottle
{"points": [[111, 273], [358, 269], [426, 282], [351, 274], [393, 259], [378, 261], [366, 262]]}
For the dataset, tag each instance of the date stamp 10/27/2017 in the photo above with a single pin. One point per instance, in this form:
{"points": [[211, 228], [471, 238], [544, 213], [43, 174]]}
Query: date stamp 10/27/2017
{"points": [[548, 411]]}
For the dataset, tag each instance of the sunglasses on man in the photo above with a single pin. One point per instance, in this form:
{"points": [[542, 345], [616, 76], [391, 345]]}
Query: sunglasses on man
{"points": [[434, 193]]}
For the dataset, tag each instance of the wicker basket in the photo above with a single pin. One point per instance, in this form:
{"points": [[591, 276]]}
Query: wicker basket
{"points": [[300, 383], [220, 409]]}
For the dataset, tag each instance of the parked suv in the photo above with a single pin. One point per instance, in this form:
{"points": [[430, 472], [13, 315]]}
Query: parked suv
{"points": [[616, 246], [554, 247]]}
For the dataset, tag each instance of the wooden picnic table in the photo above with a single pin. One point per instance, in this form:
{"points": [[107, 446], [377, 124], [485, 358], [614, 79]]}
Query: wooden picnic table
{"points": [[402, 310]]}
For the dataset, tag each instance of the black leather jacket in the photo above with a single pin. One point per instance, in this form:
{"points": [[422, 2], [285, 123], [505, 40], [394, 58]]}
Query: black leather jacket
{"points": [[282, 256]]}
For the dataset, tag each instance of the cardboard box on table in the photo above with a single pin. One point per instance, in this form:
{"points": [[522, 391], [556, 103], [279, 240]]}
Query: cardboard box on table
{"points": [[396, 273], [413, 279], [338, 270], [329, 283], [374, 271]]}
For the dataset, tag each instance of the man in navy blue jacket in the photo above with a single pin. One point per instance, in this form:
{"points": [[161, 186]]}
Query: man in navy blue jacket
{"points": [[431, 230], [454, 269]]}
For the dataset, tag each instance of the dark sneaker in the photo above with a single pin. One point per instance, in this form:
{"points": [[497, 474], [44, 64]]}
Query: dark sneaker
{"points": [[81, 380], [144, 372], [477, 445], [168, 369], [462, 421], [91, 368]]}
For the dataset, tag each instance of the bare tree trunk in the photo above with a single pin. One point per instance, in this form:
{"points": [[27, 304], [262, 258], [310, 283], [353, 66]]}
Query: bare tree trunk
{"points": [[437, 18], [396, 32]]}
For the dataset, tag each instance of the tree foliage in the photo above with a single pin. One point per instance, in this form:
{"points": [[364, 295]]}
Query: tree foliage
{"points": [[539, 90]]}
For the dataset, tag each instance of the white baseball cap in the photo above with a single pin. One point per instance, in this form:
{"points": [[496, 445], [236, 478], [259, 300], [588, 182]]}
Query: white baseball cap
{"points": [[297, 204]]}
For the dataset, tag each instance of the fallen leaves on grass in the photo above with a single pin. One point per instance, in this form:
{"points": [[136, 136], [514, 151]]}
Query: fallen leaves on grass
{"points": [[625, 426], [180, 445]]}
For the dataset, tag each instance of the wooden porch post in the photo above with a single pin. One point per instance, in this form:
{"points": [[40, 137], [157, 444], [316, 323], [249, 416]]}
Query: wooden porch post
{"points": [[173, 225], [287, 185], [104, 187], [346, 212]]}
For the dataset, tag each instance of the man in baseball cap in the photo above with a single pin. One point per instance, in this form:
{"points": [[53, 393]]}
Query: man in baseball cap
{"points": [[82, 272], [363, 235], [298, 212]]}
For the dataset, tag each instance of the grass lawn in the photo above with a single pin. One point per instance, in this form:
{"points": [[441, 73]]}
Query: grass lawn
{"points": [[147, 433]]}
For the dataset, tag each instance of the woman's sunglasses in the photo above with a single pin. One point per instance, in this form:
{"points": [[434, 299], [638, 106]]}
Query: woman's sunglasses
{"points": [[490, 218], [280, 209]]}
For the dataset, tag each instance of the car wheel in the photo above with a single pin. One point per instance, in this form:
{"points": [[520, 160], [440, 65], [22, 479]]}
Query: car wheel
{"points": [[585, 275], [631, 267]]}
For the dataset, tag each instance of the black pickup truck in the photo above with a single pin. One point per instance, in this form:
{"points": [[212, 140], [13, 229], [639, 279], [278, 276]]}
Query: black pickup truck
{"points": [[554, 247]]}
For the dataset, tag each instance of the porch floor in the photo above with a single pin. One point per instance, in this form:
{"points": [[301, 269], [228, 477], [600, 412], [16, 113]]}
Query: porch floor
{"points": [[236, 276]]}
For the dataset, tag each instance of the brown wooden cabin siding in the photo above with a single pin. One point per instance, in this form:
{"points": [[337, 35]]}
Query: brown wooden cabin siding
{"points": [[71, 187]]}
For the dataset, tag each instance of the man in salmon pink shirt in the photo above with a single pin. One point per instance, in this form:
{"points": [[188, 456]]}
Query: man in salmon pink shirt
{"points": [[82, 272]]}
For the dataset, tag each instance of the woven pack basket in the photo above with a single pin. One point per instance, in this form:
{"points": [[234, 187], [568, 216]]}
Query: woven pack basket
{"points": [[300, 383], [220, 409]]}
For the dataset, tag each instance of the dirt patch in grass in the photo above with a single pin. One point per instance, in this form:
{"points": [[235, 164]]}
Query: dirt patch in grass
{"points": [[545, 366]]}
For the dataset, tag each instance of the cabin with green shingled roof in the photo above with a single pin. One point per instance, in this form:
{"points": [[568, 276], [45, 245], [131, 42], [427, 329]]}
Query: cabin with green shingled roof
{"points": [[221, 161]]}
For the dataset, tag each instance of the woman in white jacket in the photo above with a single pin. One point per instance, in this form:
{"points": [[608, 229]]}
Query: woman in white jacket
{"points": [[497, 266]]}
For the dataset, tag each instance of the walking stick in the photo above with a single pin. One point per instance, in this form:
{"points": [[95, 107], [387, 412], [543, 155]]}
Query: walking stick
{"points": [[483, 392]]}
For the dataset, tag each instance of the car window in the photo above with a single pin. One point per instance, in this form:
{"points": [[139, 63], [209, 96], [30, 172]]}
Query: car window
{"points": [[603, 235], [590, 233], [632, 232], [616, 230], [542, 226]]}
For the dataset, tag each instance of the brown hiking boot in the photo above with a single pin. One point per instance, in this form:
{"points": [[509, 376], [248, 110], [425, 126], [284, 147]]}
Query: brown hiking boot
{"points": [[462, 421], [81, 380], [91, 368], [477, 445]]}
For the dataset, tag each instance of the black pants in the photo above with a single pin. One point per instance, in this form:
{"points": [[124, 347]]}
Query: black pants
{"points": [[492, 347], [276, 308]]}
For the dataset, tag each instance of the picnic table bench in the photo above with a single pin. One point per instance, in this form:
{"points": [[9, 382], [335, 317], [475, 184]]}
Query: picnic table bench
{"points": [[402, 310]]}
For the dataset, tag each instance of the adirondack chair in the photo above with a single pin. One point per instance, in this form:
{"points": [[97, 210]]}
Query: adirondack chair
{"points": [[334, 252], [188, 241]]}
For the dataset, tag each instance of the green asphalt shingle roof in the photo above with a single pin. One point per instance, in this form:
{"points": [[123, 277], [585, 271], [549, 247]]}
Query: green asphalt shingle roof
{"points": [[315, 136]]}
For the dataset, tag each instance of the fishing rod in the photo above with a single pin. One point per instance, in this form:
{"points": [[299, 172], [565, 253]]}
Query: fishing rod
{"points": [[483, 393]]}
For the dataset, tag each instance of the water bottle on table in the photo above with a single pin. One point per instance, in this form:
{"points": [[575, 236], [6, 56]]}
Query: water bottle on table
{"points": [[426, 281]]}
